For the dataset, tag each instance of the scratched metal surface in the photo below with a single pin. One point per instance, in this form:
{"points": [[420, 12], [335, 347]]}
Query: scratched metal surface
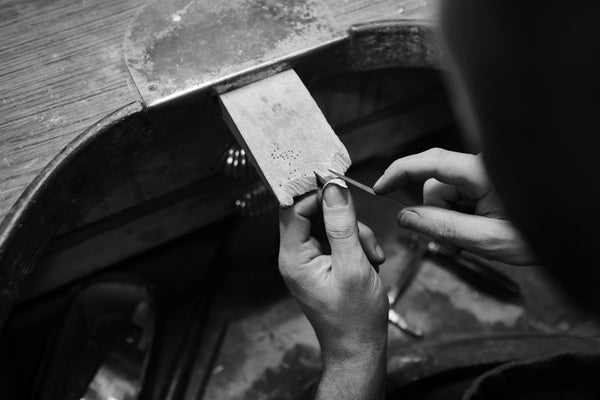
{"points": [[175, 47]]}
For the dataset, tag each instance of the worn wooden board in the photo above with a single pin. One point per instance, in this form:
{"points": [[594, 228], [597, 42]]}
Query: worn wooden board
{"points": [[372, 129], [287, 136], [62, 71]]}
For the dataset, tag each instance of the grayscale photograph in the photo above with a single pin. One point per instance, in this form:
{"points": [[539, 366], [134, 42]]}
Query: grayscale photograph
{"points": [[299, 199]]}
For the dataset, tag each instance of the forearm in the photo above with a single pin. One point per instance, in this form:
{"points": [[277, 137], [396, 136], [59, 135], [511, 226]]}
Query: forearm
{"points": [[362, 379]]}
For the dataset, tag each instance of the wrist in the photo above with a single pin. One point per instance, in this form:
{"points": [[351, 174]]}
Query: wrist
{"points": [[354, 356], [352, 346], [361, 375]]}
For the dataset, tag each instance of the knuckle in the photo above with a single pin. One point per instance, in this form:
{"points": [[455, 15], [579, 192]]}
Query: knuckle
{"points": [[445, 229], [449, 229], [478, 173], [283, 271], [364, 230], [356, 278], [394, 165], [473, 163], [430, 186], [341, 228], [430, 183], [284, 264], [283, 257], [436, 152], [496, 237], [390, 170]]}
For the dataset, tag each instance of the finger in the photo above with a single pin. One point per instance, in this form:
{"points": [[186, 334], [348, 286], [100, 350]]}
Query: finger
{"points": [[446, 226], [369, 244], [438, 194], [367, 238], [446, 166], [342, 229], [492, 238], [294, 221]]}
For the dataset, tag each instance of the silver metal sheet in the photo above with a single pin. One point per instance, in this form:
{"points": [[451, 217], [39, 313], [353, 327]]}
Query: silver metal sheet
{"points": [[175, 47]]}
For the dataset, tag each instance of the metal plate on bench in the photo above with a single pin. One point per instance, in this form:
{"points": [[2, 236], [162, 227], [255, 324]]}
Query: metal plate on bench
{"points": [[176, 47]]}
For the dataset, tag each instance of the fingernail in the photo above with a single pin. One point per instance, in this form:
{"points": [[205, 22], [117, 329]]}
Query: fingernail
{"points": [[379, 251], [334, 194], [375, 186], [408, 218]]}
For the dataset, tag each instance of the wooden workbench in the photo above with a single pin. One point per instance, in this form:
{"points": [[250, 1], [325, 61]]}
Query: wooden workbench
{"points": [[62, 70], [65, 88], [230, 328]]}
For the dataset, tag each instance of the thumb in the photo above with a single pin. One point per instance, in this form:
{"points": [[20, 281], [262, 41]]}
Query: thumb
{"points": [[478, 234], [341, 227]]}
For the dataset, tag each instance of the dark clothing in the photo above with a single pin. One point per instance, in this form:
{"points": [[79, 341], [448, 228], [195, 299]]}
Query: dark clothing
{"points": [[563, 377], [529, 73], [529, 82]]}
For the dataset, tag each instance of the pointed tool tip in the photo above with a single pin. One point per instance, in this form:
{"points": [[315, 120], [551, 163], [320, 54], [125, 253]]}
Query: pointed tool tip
{"points": [[320, 180]]}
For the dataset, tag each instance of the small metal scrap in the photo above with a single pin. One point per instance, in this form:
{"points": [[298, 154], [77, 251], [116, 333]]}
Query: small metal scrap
{"points": [[417, 249], [398, 321], [477, 273]]}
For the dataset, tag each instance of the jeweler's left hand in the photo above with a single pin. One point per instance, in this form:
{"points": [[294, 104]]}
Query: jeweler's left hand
{"points": [[341, 294]]}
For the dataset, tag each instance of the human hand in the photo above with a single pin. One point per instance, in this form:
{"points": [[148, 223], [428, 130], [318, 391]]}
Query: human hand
{"points": [[340, 294], [461, 208]]}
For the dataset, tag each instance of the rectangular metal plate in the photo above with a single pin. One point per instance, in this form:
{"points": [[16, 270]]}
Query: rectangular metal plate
{"points": [[176, 47]]}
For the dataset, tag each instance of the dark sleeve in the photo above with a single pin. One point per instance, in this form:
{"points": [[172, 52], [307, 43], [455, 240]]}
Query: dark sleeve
{"points": [[566, 376], [531, 73]]}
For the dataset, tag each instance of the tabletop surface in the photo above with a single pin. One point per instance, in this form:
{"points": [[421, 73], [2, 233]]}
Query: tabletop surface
{"points": [[62, 70]]}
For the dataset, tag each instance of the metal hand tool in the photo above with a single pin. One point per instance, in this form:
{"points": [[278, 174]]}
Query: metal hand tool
{"points": [[366, 188], [399, 322], [418, 249], [408, 272], [473, 271], [477, 273]]}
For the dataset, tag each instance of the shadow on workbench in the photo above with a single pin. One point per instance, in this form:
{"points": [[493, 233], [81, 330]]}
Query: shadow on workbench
{"points": [[227, 327], [202, 284]]}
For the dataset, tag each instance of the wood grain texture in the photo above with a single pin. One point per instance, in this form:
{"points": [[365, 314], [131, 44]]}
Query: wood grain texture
{"points": [[61, 69], [97, 152], [170, 191], [285, 133]]}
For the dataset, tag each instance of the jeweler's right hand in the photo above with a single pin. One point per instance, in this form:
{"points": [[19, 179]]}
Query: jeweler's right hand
{"points": [[460, 206]]}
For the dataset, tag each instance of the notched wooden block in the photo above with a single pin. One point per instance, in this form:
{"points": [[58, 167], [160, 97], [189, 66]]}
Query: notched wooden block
{"points": [[285, 133]]}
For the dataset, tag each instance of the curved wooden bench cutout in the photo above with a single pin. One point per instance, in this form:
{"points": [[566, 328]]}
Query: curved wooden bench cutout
{"points": [[45, 204]]}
